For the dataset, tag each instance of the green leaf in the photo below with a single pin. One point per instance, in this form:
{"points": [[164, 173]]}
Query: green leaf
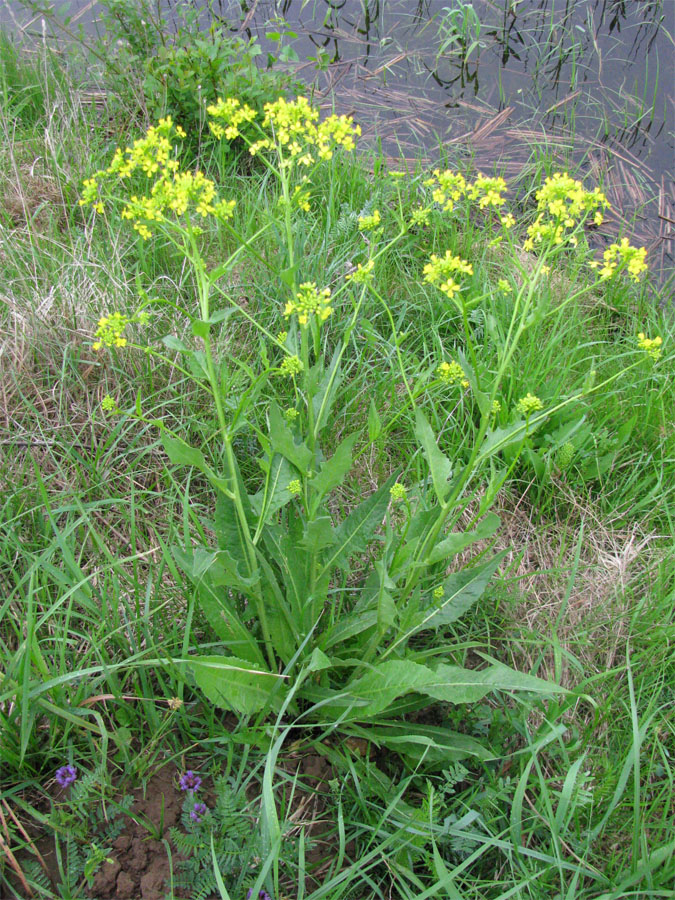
{"points": [[460, 591], [175, 343], [481, 398], [288, 276], [348, 627], [432, 743], [374, 422], [232, 683], [275, 492], [378, 688], [500, 439], [353, 535], [283, 442], [182, 454], [454, 543], [318, 661], [333, 471], [200, 328], [439, 464], [215, 604], [318, 535], [457, 685], [230, 533], [326, 391], [279, 619], [220, 315]]}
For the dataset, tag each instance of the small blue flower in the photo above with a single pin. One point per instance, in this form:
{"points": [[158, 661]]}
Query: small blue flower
{"points": [[197, 811], [263, 895], [190, 781], [66, 775]]}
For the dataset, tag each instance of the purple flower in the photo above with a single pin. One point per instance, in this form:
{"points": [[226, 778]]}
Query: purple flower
{"points": [[66, 775], [263, 895], [190, 781], [197, 811]]}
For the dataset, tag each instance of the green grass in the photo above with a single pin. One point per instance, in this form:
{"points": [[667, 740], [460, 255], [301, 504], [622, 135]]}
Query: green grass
{"points": [[577, 798]]}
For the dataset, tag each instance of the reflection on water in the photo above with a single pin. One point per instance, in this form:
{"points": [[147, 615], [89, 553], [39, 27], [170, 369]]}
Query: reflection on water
{"points": [[589, 77]]}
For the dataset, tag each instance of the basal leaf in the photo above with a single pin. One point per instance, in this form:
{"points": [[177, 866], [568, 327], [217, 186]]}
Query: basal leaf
{"points": [[232, 683], [457, 685]]}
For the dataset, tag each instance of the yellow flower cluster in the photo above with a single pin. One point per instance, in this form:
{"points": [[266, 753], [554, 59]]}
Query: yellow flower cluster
{"points": [[295, 486], [452, 373], [173, 191], [109, 404], [363, 273], [176, 194], [110, 331], [301, 197], [291, 366], [528, 405], [448, 188], [310, 301], [367, 223], [420, 216], [439, 592], [622, 256], [397, 492], [652, 346], [294, 129], [562, 202], [229, 114], [487, 191], [504, 286], [439, 271]]}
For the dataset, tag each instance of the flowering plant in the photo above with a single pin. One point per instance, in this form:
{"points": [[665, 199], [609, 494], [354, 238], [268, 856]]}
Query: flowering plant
{"points": [[318, 614]]}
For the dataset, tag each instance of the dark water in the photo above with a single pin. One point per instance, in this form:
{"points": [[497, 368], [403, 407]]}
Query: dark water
{"points": [[593, 80]]}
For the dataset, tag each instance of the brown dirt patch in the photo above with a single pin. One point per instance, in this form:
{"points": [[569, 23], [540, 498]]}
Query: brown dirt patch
{"points": [[140, 866]]}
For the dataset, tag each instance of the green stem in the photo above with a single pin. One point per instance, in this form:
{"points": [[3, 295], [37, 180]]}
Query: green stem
{"points": [[203, 286]]}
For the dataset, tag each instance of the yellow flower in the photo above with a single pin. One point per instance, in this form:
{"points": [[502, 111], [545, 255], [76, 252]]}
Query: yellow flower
{"points": [[295, 486], [448, 188], [397, 492], [651, 346], [504, 286], [109, 404], [363, 273], [528, 405], [420, 216], [439, 270], [622, 256], [488, 191], [291, 366], [439, 592], [229, 115], [309, 301], [110, 331], [452, 373], [367, 223], [508, 221]]}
